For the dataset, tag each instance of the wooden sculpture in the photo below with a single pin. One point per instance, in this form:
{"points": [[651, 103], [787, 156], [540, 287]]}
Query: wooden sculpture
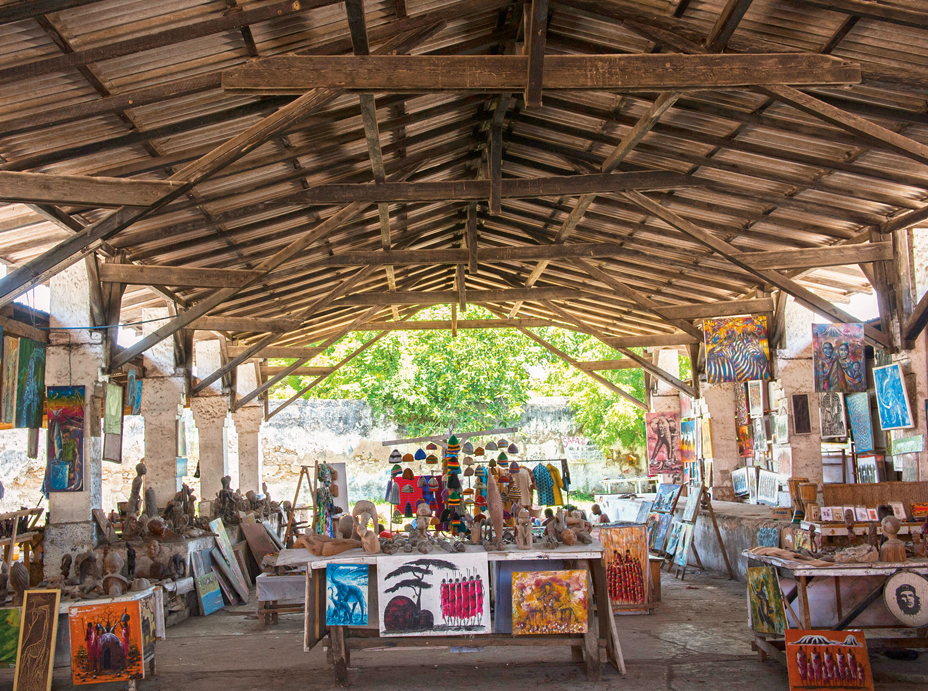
{"points": [[325, 546], [893, 550], [523, 530], [495, 507]]}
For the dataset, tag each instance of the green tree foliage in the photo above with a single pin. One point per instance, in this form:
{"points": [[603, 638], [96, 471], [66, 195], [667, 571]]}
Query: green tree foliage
{"points": [[429, 381]]}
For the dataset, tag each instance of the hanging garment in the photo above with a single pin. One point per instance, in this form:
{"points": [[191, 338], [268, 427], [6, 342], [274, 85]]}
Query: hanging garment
{"points": [[565, 474], [545, 485], [558, 484], [523, 480]]}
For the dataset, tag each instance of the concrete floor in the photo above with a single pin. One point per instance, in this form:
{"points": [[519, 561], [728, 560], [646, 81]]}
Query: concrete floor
{"points": [[697, 639]]}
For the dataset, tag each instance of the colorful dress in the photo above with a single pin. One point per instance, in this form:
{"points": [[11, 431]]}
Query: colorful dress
{"points": [[545, 485]]}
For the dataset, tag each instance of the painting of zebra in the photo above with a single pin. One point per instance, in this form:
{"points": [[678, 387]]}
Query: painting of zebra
{"points": [[736, 349]]}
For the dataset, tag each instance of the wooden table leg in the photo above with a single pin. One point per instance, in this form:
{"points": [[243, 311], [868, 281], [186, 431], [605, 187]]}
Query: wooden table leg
{"points": [[591, 637], [339, 653], [804, 604], [262, 618], [607, 627]]}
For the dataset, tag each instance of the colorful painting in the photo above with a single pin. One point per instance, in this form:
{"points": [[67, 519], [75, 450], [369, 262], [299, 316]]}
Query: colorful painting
{"points": [[688, 440], [739, 481], [831, 410], [30, 384], [137, 398], [130, 392], [663, 434], [692, 504], [660, 533], [745, 441], [626, 559], [106, 642], [838, 358], [666, 497], [8, 386], [802, 416], [426, 596], [673, 539], [549, 602], [346, 595], [891, 397], [827, 660], [768, 537], [654, 519], [65, 469], [706, 438], [38, 629], [207, 584], [736, 349], [765, 601], [684, 541], [741, 404], [9, 636]]}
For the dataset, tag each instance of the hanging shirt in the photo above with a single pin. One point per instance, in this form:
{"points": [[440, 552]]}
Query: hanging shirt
{"points": [[523, 481], [545, 485], [558, 484]]}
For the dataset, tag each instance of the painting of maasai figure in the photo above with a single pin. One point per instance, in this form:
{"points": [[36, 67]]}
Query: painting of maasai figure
{"points": [[663, 435], [106, 642], [30, 384], [838, 357], [65, 469], [891, 397], [736, 349], [827, 660]]}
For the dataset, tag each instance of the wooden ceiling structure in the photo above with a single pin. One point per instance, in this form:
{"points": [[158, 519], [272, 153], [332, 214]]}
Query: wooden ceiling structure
{"points": [[285, 173]]}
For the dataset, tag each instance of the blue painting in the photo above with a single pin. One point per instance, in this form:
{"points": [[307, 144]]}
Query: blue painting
{"points": [[346, 595], [891, 398], [858, 410], [768, 537], [30, 385], [666, 497]]}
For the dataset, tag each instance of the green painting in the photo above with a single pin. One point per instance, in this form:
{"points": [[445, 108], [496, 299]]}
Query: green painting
{"points": [[30, 384], [765, 600], [9, 636], [8, 385]]}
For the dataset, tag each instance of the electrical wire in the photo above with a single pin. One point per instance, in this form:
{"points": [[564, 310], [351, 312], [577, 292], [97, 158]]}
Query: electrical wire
{"points": [[108, 326]]}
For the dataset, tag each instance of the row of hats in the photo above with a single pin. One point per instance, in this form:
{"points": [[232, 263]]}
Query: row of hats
{"points": [[502, 445]]}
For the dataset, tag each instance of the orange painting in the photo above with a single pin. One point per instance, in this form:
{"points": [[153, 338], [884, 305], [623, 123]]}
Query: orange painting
{"points": [[549, 602], [626, 563], [106, 642], [827, 660]]}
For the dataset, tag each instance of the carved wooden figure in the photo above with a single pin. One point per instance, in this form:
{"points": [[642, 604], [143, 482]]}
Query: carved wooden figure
{"points": [[893, 549]]}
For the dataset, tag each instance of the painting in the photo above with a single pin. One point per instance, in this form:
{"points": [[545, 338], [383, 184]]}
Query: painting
{"points": [[706, 438], [137, 398], [765, 601], [739, 481], [207, 585], [9, 636], [688, 440], [768, 537], [755, 399], [781, 429], [30, 384], [651, 526], [663, 435], [222, 541], [783, 458], [549, 602], [692, 504], [831, 407], [626, 559], [425, 596], [752, 484], [745, 441], [891, 397], [903, 445], [106, 642], [666, 497], [838, 358], [802, 415], [906, 597], [660, 533], [65, 469], [741, 404], [38, 629], [673, 539], [768, 487], [759, 435], [346, 595], [8, 387], [684, 541], [736, 349], [686, 406], [827, 659]]}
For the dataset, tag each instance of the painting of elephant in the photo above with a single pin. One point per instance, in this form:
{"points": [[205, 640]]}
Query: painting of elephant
{"points": [[346, 595]]}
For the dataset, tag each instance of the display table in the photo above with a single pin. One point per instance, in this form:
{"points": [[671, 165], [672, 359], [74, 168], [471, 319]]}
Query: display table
{"points": [[279, 593], [341, 640], [846, 593]]}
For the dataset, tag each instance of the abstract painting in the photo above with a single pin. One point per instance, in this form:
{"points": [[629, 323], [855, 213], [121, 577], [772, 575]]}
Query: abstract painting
{"points": [[802, 416], [831, 410], [8, 387], [549, 602], [65, 469], [736, 349], [106, 642], [663, 434], [38, 628], [891, 397], [666, 497], [426, 596], [692, 504], [684, 541], [346, 595], [755, 398], [30, 384], [660, 533], [838, 357], [626, 559], [706, 438], [9, 636], [827, 659], [765, 601], [688, 440], [745, 441], [858, 410], [768, 537]]}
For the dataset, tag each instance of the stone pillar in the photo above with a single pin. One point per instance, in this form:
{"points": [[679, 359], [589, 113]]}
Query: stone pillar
{"points": [[248, 421], [162, 402], [75, 358], [720, 399], [793, 367], [667, 398], [211, 416]]}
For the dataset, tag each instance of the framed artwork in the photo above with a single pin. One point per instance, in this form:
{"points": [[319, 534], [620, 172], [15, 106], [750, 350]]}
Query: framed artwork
{"points": [[765, 601], [783, 457], [739, 481], [225, 547], [112, 423], [692, 504], [752, 484], [827, 659], [858, 410], [30, 384], [802, 415], [643, 510], [706, 428], [768, 537], [781, 429], [626, 560], [683, 544], [828, 514], [903, 445], [741, 404], [663, 436], [137, 398], [831, 411], [35, 651], [759, 435], [673, 539], [687, 409], [346, 595], [768, 487], [426, 596], [207, 585], [545, 602], [891, 397], [8, 386], [106, 642], [651, 526], [9, 636], [736, 349], [130, 392], [745, 441], [666, 497], [660, 533], [755, 399], [64, 471], [688, 440], [838, 358]]}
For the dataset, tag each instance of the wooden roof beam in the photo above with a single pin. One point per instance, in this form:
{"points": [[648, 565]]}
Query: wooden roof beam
{"points": [[817, 257], [438, 325], [874, 10], [726, 24], [150, 275], [81, 190], [536, 25]]}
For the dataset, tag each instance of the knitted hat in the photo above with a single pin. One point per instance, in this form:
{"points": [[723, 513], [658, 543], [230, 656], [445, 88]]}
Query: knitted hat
{"points": [[408, 475], [432, 459], [468, 460], [491, 446], [468, 447], [454, 446], [478, 451], [453, 482], [468, 471], [513, 467], [408, 458], [513, 448], [420, 455], [502, 456], [395, 456], [502, 443]]}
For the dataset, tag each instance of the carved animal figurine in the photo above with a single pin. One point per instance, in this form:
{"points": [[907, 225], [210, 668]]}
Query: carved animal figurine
{"points": [[368, 507], [369, 540], [135, 494], [325, 546], [893, 550], [19, 580], [66, 567], [495, 507], [523, 530], [476, 530]]}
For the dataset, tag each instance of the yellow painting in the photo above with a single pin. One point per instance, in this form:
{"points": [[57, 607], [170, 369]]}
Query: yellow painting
{"points": [[549, 602]]}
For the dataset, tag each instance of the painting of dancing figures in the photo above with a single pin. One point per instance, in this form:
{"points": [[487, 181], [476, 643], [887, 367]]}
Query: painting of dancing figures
{"points": [[106, 642], [663, 435], [346, 595]]}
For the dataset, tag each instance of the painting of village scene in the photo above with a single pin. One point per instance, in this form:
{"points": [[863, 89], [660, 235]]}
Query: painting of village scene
{"points": [[549, 602], [106, 642]]}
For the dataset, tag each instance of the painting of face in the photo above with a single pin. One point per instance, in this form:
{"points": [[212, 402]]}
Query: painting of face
{"points": [[838, 357]]}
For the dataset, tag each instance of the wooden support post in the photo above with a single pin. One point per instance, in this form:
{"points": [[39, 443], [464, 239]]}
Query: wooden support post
{"points": [[536, 29], [472, 267], [496, 168]]}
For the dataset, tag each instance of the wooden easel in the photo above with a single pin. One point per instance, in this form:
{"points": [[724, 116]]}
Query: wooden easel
{"points": [[705, 502], [292, 525]]}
